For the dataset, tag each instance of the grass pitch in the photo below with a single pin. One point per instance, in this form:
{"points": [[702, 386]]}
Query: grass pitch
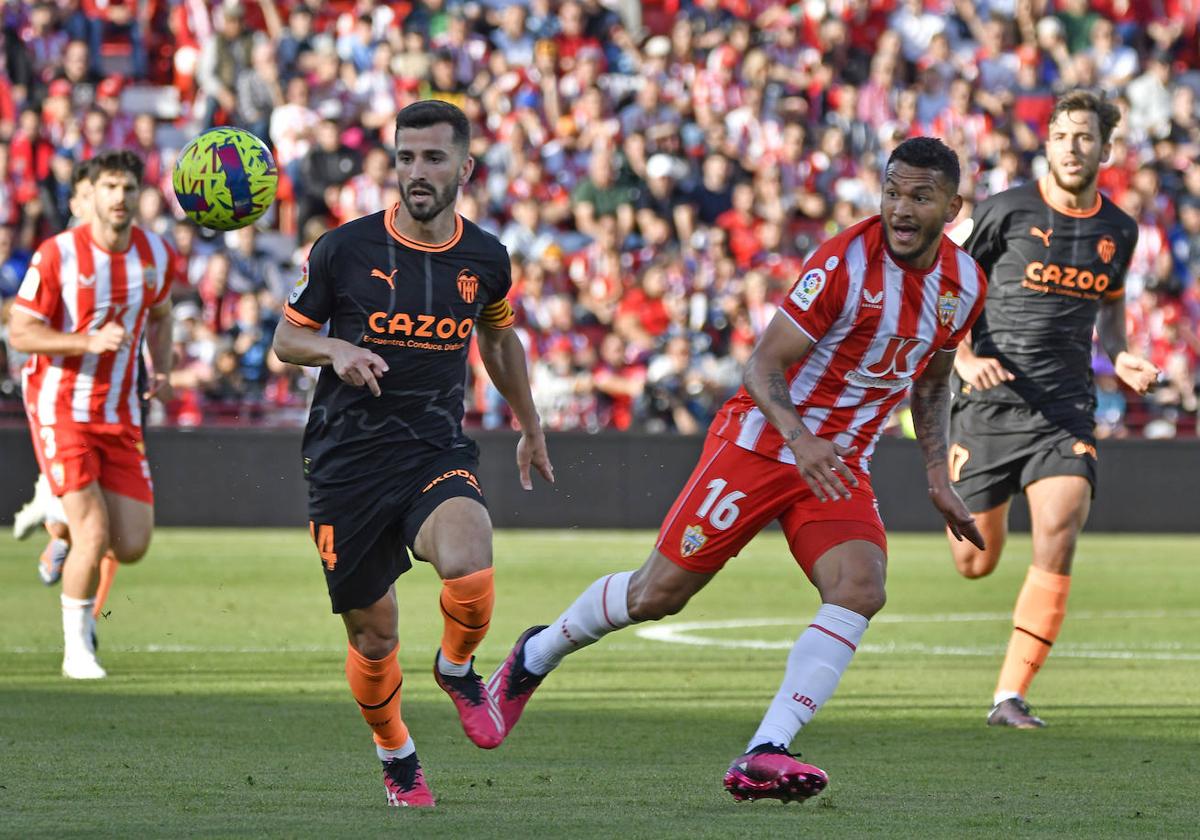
{"points": [[226, 713]]}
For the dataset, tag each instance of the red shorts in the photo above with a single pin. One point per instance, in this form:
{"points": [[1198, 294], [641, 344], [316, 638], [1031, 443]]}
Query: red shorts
{"points": [[72, 457], [734, 493]]}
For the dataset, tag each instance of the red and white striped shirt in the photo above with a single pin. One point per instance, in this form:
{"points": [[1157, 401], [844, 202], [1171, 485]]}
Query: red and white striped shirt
{"points": [[75, 286], [876, 324]]}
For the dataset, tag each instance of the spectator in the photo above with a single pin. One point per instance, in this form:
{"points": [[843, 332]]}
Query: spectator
{"points": [[322, 171], [258, 90], [13, 263], [600, 194], [224, 58]]}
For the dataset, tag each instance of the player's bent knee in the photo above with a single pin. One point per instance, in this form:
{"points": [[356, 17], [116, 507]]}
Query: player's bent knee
{"points": [[866, 601], [130, 548], [976, 564], [373, 645]]}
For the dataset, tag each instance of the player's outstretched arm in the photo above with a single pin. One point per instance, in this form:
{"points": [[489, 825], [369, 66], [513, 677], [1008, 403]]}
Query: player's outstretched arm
{"points": [[819, 461], [1136, 372], [931, 421], [354, 365], [504, 357]]}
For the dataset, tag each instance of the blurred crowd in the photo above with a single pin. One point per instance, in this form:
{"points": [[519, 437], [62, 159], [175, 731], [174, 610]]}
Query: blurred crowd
{"points": [[657, 170]]}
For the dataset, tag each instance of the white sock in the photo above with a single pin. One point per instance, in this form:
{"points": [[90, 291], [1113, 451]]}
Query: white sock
{"points": [[814, 667], [401, 752], [1000, 696], [452, 669], [602, 608], [78, 625]]}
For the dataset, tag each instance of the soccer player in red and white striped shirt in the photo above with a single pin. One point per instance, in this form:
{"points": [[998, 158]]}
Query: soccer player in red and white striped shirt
{"points": [[875, 316], [88, 295]]}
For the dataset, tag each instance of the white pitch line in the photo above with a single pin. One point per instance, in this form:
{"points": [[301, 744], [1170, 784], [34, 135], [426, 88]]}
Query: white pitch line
{"points": [[685, 633]]}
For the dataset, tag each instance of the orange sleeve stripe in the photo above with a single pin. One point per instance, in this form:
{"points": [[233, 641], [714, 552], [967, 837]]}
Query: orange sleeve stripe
{"points": [[498, 316], [299, 318], [1115, 294]]}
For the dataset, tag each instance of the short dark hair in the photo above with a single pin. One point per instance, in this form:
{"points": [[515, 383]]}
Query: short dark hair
{"points": [[1085, 100], [117, 160], [929, 153], [81, 171], [429, 112]]}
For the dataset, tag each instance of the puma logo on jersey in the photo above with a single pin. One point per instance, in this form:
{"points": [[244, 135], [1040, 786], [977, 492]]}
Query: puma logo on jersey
{"points": [[1044, 236], [386, 278]]}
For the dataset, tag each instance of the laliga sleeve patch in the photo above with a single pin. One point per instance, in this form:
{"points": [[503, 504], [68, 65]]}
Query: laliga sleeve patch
{"points": [[301, 284], [808, 288]]}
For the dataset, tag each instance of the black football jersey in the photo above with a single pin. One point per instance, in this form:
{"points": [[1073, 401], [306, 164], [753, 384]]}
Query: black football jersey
{"points": [[415, 305], [1048, 270]]}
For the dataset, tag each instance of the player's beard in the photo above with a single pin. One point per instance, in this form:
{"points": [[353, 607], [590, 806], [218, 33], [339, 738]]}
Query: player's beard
{"points": [[909, 253], [1081, 181], [441, 200], [120, 225]]}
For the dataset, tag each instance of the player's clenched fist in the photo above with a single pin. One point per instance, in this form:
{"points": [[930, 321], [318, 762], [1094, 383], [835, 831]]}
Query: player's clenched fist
{"points": [[358, 366], [108, 338]]}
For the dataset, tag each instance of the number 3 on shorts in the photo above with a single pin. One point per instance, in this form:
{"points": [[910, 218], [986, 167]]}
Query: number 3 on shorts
{"points": [[49, 447], [722, 511]]}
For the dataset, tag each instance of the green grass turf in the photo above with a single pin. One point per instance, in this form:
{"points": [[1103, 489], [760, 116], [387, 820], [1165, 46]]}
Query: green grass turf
{"points": [[227, 714]]}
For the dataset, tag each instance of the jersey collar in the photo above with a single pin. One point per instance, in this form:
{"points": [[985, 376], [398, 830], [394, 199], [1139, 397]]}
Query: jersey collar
{"points": [[389, 222]]}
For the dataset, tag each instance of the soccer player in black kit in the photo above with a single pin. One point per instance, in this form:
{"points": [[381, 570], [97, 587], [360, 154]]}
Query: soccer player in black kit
{"points": [[1056, 252], [389, 469]]}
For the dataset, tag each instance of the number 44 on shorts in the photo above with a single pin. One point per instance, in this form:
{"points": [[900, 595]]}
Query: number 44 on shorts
{"points": [[322, 535]]}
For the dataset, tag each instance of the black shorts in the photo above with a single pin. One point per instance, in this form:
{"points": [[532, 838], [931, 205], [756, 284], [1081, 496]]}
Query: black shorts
{"points": [[364, 535], [997, 450]]}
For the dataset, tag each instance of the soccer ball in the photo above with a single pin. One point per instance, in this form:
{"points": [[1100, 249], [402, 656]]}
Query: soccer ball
{"points": [[225, 178]]}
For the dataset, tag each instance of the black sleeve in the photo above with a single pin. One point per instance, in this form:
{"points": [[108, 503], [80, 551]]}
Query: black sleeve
{"points": [[310, 303], [1116, 284], [495, 310], [986, 240]]}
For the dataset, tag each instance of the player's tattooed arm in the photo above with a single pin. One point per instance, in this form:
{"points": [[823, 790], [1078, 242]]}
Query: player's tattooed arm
{"points": [[765, 377], [931, 410], [931, 420], [819, 461]]}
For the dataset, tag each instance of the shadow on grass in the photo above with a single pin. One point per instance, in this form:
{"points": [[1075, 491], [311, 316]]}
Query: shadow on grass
{"points": [[115, 761]]}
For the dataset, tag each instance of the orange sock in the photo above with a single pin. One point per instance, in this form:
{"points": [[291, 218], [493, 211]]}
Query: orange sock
{"points": [[1037, 618], [375, 684], [467, 611], [108, 571]]}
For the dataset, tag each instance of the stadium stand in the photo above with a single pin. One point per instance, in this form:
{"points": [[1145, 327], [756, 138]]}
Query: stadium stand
{"points": [[657, 184]]}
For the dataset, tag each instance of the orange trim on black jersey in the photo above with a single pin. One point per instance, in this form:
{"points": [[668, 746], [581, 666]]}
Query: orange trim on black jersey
{"points": [[389, 222], [498, 316], [1115, 294], [1067, 211], [299, 319]]}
